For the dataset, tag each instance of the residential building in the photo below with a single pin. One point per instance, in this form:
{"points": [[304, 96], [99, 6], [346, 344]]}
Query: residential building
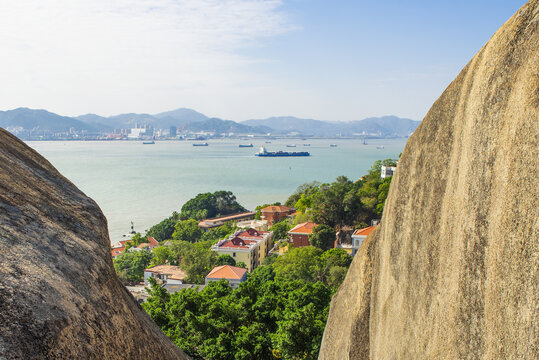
{"points": [[234, 275], [240, 250], [168, 274], [359, 236], [387, 171], [209, 224], [299, 235], [264, 239], [274, 213]]}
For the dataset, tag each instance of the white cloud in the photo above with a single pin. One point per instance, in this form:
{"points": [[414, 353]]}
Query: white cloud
{"points": [[73, 56]]}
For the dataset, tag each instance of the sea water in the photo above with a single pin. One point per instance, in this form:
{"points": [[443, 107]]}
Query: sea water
{"points": [[144, 184]]}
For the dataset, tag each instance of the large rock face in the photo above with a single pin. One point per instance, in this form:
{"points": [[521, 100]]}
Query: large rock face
{"points": [[452, 272], [59, 296]]}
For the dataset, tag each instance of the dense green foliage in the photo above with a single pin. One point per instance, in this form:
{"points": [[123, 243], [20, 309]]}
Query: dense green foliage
{"points": [[164, 229], [131, 264], [279, 312], [280, 230], [208, 205], [343, 202], [323, 237], [196, 259], [187, 230]]}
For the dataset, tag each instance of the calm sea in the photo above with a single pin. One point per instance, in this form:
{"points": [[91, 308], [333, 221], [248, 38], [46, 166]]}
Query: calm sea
{"points": [[146, 183]]}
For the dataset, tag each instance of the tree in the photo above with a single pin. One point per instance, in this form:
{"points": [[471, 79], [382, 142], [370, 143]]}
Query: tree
{"points": [[196, 259], [323, 237], [131, 264], [307, 189], [163, 230], [208, 205], [226, 260], [298, 264], [187, 230], [241, 264], [280, 230], [336, 204], [163, 255]]}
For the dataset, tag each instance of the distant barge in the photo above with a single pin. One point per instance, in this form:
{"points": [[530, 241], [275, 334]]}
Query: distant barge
{"points": [[264, 153]]}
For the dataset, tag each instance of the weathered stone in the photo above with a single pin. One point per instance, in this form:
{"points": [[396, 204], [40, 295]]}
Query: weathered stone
{"points": [[59, 295], [455, 261]]}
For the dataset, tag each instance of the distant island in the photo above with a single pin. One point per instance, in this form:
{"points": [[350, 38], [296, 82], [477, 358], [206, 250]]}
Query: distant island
{"points": [[188, 124]]}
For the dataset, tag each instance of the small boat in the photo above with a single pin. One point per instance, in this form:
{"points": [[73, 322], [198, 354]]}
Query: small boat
{"points": [[148, 142], [201, 144], [291, 145], [306, 144], [245, 145], [268, 142], [380, 147], [332, 145]]}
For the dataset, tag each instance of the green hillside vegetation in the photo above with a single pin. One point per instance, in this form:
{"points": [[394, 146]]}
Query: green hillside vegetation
{"points": [[279, 312], [343, 202]]}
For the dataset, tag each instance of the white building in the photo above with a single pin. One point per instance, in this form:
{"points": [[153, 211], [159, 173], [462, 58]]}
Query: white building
{"points": [[136, 133], [387, 171]]}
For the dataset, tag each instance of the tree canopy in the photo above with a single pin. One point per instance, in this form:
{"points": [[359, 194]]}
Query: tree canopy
{"points": [[208, 205], [271, 315], [131, 264]]}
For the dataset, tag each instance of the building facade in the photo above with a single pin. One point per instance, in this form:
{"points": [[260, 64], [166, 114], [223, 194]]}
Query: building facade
{"points": [[299, 235]]}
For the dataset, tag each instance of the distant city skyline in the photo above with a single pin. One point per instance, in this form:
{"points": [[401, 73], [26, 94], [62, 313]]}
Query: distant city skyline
{"points": [[239, 59]]}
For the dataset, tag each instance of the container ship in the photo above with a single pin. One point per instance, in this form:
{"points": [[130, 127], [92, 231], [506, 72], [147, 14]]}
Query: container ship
{"points": [[264, 153]]}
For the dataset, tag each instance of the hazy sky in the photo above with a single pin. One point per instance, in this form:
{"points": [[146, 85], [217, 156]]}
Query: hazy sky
{"points": [[239, 59]]}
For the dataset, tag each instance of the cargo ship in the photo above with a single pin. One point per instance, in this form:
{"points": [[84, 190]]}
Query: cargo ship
{"points": [[264, 153], [245, 145]]}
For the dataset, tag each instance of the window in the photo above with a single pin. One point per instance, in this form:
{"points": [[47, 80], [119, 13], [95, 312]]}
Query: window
{"points": [[233, 254]]}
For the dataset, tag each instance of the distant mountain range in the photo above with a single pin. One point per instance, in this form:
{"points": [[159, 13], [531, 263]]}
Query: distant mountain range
{"points": [[191, 120]]}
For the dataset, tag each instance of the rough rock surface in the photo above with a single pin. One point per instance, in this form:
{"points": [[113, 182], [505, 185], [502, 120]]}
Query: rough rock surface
{"points": [[59, 295], [454, 264]]}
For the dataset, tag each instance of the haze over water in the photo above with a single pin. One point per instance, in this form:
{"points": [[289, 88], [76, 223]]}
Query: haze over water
{"points": [[146, 183]]}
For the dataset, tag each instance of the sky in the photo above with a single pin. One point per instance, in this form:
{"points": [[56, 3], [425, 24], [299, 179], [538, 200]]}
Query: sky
{"points": [[336, 60]]}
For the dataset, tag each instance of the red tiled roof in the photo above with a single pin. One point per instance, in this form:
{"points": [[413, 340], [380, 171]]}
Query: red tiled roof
{"points": [[365, 231], [276, 208], [152, 242], [227, 272], [143, 245], [252, 233], [117, 251], [237, 242], [303, 228]]}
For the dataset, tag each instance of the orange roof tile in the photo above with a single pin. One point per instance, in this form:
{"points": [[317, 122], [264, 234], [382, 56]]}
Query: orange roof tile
{"points": [[363, 232], [303, 228], [227, 272], [152, 242], [117, 251]]}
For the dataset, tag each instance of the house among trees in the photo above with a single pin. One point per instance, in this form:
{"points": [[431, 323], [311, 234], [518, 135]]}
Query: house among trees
{"points": [[248, 246], [234, 275], [299, 235], [359, 236], [169, 275], [274, 213]]}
